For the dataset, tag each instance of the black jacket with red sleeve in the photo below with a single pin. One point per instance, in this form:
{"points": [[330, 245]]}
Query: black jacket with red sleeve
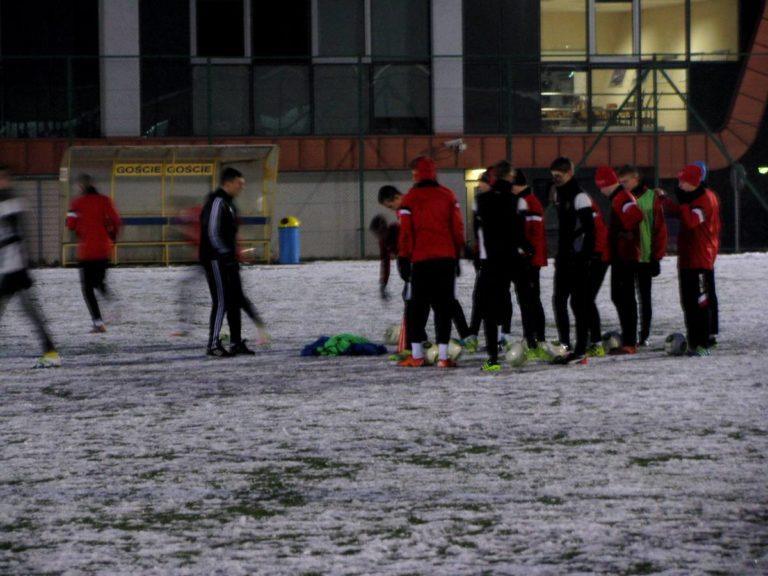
{"points": [[531, 210]]}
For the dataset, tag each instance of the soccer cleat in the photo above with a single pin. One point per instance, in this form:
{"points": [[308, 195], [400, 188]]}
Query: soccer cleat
{"points": [[645, 343], [596, 351], [699, 352], [240, 349], [411, 362], [98, 329], [218, 351], [542, 352], [571, 358], [470, 344], [50, 359], [400, 356], [712, 342], [447, 363], [263, 338], [179, 333], [623, 351], [491, 367]]}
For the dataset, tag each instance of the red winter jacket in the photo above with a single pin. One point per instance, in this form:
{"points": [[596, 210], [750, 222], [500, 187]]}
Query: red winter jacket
{"points": [[602, 246], [96, 222], [624, 229], [531, 209], [431, 226], [699, 238]]}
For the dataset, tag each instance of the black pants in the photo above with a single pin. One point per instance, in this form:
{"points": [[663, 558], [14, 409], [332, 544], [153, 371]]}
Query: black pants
{"points": [[93, 276], [226, 297], [505, 313], [714, 309], [695, 296], [644, 292], [623, 276], [597, 272], [493, 285], [528, 289], [432, 287], [572, 283]]}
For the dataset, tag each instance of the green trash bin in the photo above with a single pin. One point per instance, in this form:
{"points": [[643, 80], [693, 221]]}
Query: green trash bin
{"points": [[290, 240]]}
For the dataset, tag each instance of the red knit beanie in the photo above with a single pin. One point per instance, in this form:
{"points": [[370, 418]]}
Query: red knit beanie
{"points": [[691, 174], [424, 169], [605, 176]]}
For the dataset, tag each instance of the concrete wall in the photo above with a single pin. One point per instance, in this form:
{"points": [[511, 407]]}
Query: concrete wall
{"points": [[327, 203]]}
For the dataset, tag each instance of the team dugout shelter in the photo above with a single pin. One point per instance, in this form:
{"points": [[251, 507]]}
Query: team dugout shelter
{"points": [[159, 190]]}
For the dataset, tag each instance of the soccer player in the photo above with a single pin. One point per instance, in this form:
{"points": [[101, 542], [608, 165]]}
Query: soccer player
{"points": [[218, 255], [653, 247], [624, 238], [527, 281], [575, 252], [93, 218], [14, 273], [430, 244], [697, 246], [387, 235], [601, 260], [499, 229]]}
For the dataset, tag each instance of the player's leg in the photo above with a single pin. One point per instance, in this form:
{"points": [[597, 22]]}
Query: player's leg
{"points": [[213, 276], [443, 304], [560, 294], [459, 319], [32, 310], [232, 293], [490, 294], [580, 298], [623, 296], [644, 284], [523, 290], [714, 312], [88, 281], [418, 312], [598, 270]]}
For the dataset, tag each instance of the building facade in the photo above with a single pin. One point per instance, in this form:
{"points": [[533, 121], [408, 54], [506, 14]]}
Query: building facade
{"points": [[351, 90]]}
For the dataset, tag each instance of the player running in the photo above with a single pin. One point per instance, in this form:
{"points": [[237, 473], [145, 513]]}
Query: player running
{"points": [[14, 273], [430, 243], [94, 220]]}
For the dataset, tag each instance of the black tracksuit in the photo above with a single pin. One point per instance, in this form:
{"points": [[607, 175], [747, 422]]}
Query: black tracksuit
{"points": [[575, 251], [500, 236], [218, 256]]}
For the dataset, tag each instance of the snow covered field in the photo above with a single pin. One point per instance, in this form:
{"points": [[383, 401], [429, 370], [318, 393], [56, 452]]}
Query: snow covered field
{"points": [[142, 456]]}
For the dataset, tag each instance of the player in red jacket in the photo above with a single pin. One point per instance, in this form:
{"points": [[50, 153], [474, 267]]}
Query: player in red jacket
{"points": [[532, 212], [93, 217], [599, 265], [698, 243], [624, 241], [429, 247]]}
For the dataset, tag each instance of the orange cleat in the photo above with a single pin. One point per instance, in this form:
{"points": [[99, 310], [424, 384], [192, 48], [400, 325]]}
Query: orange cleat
{"points": [[447, 364], [411, 362]]}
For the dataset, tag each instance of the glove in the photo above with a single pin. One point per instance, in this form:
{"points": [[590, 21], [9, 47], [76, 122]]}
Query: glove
{"points": [[404, 269], [458, 268], [655, 268], [383, 292]]}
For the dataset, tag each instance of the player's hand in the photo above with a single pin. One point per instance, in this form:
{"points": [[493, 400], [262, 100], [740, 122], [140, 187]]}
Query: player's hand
{"points": [[655, 268]]}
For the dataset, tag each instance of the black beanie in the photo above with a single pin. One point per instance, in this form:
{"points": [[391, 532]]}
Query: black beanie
{"points": [[519, 179]]}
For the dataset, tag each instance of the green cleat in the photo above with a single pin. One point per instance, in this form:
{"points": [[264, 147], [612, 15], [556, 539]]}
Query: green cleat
{"points": [[596, 351], [400, 356], [699, 352], [471, 344], [531, 354], [491, 367], [542, 352]]}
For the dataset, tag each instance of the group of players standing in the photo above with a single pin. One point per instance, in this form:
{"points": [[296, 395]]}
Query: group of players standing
{"points": [[510, 248]]}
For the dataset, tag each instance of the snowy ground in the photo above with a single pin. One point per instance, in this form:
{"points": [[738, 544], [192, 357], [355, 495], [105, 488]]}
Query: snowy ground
{"points": [[141, 455]]}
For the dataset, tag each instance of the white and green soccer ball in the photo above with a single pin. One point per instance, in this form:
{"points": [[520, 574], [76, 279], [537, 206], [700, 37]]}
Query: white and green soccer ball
{"points": [[515, 354], [392, 334], [455, 349], [556, 350], [612, 341], [430, 353]]}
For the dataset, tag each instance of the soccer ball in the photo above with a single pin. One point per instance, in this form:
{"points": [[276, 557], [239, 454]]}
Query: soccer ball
{"points": [[612, 341], [676, 344], [224, 337], [430, 353], [515, 354], [392, 334], [455, 349], [556, 350]]}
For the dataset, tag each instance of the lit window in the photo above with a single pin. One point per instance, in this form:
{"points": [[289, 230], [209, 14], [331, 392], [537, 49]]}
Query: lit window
{"points": [[612, 87], [563, 29], [662, 29], [614, 28], [714, 29]]}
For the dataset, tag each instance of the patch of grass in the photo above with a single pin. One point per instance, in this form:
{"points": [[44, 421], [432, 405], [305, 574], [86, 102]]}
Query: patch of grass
{"points": [[644, 462], [429, 461], [415, 520], [550, 500], [570, 554], [641, 568], [398, 533]]}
